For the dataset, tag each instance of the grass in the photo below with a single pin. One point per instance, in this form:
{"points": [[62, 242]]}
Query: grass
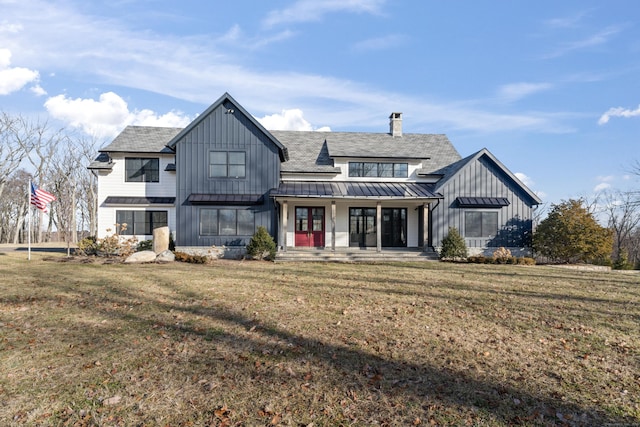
{"points": [[254, 343]]}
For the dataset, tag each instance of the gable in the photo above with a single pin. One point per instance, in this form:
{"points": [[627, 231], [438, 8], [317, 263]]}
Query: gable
{"points": [[478, 183], [226, 110]]}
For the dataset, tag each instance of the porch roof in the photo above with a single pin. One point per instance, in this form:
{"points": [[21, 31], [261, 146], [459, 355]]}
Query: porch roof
{"points": [[126, 200], [356, 190]]}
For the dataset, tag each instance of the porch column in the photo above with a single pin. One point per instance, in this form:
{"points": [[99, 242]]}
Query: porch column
{"points": [[425, 227], [285, 216], [379, 226], [333, 225]]}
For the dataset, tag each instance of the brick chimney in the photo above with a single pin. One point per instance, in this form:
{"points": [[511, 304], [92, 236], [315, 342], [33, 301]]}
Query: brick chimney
{"points": [[395, 124]]}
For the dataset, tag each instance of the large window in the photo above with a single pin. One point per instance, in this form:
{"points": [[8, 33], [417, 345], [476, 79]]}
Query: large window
{"points": [[227, 164], [141, 222], [378, 170], [226, 222], [480, 224], [140, 169]]}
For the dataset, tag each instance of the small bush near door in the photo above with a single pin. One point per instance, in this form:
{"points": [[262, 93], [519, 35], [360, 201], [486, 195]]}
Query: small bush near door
{"points": [[453, 246], [262, 245]]}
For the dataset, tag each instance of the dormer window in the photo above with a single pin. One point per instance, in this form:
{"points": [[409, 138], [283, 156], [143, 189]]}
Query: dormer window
{"points": [[378, 170]]}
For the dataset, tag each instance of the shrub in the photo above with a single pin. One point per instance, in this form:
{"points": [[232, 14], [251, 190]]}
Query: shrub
{"points": [[502, 255], [453, 246], [111, 245], [193, 259], [571, 233], [145, 245], [262, 245], [526, 261], [477, 259], [87, 246]]}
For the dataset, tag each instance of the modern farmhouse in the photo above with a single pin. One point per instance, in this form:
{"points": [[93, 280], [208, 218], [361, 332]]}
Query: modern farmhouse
{"points": [[215, 181]]}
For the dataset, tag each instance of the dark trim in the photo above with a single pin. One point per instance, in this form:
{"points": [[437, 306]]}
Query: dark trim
{"points": [[482, 202], [123, 200], [225, 199], [171, 167]]}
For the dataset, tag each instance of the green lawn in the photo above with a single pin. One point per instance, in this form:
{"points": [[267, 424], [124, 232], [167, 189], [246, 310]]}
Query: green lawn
{"points": [[255, 343]]}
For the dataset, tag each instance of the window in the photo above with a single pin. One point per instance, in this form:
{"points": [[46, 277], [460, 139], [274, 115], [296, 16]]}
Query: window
{"points": [[227, 164], [226, 222], [480, 224], [142, 169], [141, 222], [378, 170]]}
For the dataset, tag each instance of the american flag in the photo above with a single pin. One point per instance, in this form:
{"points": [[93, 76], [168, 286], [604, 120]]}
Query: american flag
{"points": [[40, 198]]}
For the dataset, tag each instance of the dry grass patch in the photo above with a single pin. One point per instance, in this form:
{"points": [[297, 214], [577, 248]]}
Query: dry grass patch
{"points": [[254, 343]]}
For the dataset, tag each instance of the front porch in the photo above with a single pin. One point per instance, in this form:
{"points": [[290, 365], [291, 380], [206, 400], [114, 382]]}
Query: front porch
{"points": [[294, 254], [351, 217]]}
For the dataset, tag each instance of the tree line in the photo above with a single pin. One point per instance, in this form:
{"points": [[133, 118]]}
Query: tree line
{"points": [[55, 160]]}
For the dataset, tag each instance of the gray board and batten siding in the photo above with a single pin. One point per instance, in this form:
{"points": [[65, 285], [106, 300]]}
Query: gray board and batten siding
{"points": [[224, 126], [481, 175]]}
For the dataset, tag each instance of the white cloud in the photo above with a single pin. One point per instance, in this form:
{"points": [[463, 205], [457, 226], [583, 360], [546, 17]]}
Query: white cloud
{"points": [[199, 69], [13, 79], [601, 187], [605, 178], [289, 120], [618, 112], [7, 27], [379, 43], [106, 117], [568, 21], [38, 90], [515, 91], [525, 179], [597, 39], [314, 10]]}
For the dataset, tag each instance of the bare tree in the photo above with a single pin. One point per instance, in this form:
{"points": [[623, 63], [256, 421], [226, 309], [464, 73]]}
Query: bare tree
{"points": [[623, 216], [13, 207], [15, 143]]}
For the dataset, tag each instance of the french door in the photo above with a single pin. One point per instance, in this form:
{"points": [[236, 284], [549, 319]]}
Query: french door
{"points": [[309, 227], [363, 227]]}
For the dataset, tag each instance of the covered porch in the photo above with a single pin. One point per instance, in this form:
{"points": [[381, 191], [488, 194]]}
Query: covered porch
{"points": [[338, 216]]}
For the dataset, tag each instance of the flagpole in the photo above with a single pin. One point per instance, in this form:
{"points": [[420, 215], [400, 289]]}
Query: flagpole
{"points": [[29, 221]]}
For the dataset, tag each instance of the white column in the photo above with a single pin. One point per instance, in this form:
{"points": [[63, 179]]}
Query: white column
{"points": [[379, 226], [285, 226], [333, 225]]}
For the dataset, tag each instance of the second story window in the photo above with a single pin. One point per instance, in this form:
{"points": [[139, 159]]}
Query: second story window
{"points": [[378, 170], [227, 164], [139, 169]]}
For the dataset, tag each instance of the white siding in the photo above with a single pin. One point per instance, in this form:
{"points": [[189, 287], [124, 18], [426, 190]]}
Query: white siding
{"points": [[112, 183]]}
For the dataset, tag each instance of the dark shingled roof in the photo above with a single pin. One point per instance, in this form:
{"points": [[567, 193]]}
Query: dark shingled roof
{"points": [[102, 162], [313, 151], [308, 151], [142, 139]]}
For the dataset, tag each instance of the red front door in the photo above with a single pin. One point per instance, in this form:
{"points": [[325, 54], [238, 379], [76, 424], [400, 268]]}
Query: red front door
{"points": [[310, 227]]}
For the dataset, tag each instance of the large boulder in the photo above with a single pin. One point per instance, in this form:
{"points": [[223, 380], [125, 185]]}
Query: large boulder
{"points": [[160, 239], [140, 257], [166, 256]]}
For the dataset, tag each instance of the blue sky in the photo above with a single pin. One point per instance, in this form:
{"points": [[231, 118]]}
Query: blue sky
{"points": [[551, 88]]}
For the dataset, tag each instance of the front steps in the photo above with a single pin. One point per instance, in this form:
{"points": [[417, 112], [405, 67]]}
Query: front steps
{"points": [[355, 255]]}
